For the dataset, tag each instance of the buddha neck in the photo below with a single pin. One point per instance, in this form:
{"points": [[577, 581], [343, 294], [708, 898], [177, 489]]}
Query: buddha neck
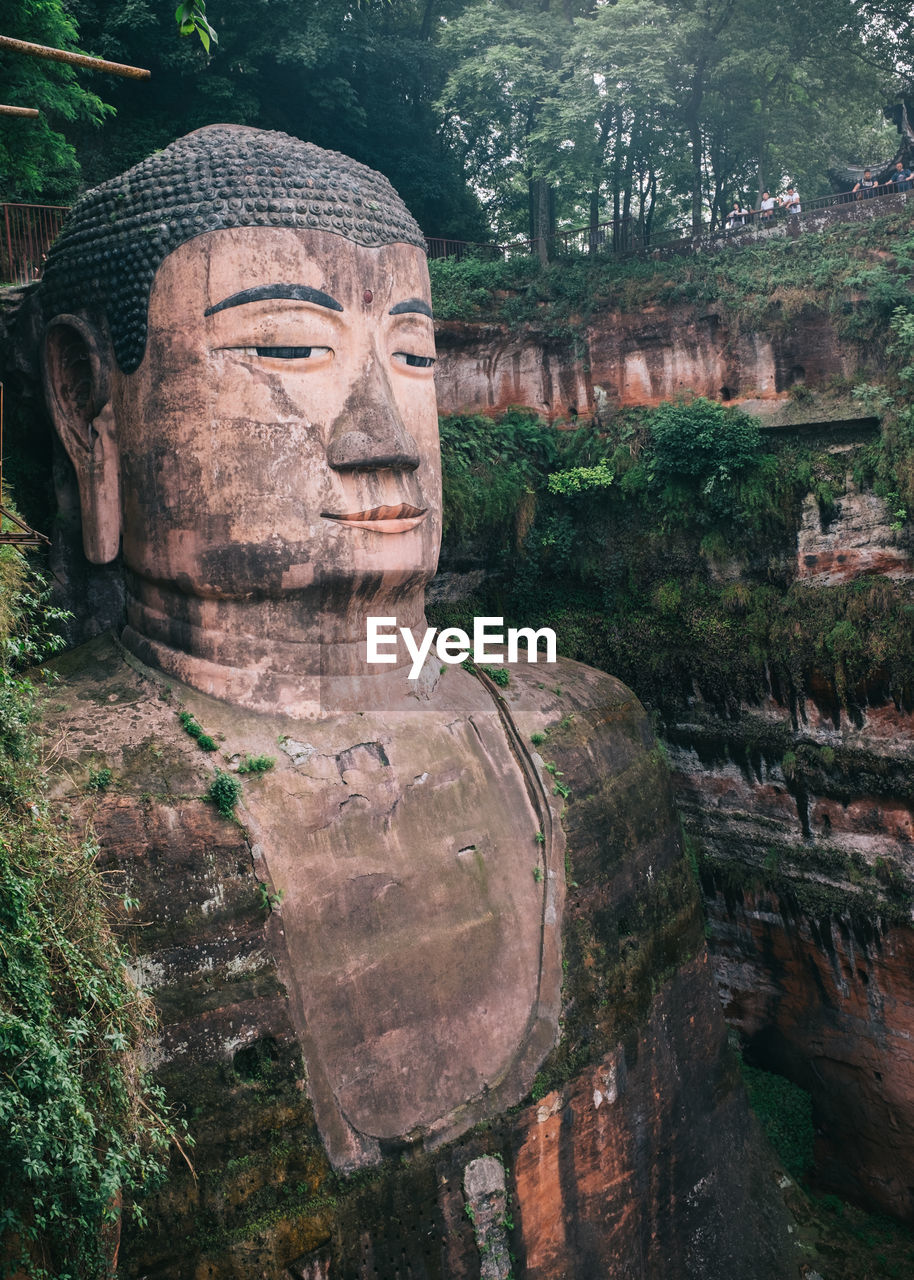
{"points": [[301, 655]]}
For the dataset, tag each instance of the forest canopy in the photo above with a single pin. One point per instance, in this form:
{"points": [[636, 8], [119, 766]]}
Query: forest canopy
{"points": [[494, 118]]}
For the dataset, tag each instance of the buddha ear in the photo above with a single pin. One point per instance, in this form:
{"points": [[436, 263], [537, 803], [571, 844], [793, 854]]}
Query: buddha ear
{"points": [[76, 369]]}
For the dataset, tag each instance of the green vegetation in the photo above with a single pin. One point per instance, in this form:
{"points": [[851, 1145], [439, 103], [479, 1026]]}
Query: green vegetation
{"points": [[626, 109], [82, 1131], [268, 901], [190, 16], [581, 479], [556, 114], [361, 79], [257, 764], [680, 572], [197, 732], [843, 270], [490, 470], [37, 162], [224, 792], [785, 1111], [847, 1240], [99, 780]]}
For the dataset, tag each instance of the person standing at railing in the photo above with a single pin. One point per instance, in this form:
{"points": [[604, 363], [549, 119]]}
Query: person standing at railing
{"points": [[791, 202], [736, 217], [867, 187], [766, 209], [901, 178]]}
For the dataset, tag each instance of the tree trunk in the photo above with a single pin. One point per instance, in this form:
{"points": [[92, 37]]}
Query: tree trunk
{"points": [[593, 218], [762, 150], [617, 165], [539, 217], [627, 231], [425, 29], [718, 212], [649, 220], [695, 144], [696, 148], [597, 182]]}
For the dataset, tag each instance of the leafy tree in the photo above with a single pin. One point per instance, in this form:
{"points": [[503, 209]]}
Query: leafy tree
{"points": [[359, 79], [508, 75], [36, 160], [784, 102], [657, 109], [619, 111]]}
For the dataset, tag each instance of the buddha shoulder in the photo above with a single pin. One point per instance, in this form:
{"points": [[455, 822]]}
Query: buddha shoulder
{"points": [[593, 744]]}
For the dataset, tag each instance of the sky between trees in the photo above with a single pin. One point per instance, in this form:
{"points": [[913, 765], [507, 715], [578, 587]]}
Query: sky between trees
{"points": [[493, 118]]}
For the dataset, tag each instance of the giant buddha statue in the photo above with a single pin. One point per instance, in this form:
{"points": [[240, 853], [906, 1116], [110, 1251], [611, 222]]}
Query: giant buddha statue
{"points": [[239, 363]]}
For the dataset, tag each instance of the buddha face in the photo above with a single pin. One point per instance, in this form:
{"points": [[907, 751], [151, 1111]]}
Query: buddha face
{"points": [[281, 433]]}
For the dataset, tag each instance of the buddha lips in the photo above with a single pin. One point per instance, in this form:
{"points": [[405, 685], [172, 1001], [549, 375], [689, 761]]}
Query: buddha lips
{"points": [[398, 519]]}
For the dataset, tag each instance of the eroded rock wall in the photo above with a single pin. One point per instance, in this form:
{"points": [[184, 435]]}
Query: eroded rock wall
{"points": [[828, 1003], [802, 810], [622, 359], [809, 795], [643, 357]]}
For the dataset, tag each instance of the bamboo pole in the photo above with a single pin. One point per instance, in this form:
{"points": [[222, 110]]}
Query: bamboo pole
{"points": [[31, 112], [74, 59]]}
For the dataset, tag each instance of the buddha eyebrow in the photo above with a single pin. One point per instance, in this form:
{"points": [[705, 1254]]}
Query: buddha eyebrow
{"points": [[294, 292], [411, 304]]}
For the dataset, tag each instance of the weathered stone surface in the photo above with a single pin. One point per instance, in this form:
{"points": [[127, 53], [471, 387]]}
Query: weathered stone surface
{"points": [[857, 540], [484, 1188], [583, 1176], [833, 1008], [814, 970], [669, 1133], [634, 358], [262, 511], [422, 956]]}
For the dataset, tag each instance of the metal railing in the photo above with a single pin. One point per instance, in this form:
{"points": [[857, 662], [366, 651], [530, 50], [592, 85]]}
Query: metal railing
{"points": [[27, 232], [618, 235], [628, 237]]}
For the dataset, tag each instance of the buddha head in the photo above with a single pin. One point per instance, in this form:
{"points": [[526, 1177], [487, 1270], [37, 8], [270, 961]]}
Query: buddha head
{"points": [[239, 362]]}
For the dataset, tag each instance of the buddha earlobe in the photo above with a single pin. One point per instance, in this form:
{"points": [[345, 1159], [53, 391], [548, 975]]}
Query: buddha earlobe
{"points": [[76, 365]]}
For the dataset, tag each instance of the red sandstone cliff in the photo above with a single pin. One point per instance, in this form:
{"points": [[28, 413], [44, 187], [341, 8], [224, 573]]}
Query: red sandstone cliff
{"points": [[633, 358]]}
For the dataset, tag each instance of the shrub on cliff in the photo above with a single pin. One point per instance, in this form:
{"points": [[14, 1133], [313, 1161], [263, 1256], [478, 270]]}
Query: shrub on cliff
{"points": [[693, 456], [490, 470], [662, 548], [81, 1130], [703, 441], [785, 1111]]}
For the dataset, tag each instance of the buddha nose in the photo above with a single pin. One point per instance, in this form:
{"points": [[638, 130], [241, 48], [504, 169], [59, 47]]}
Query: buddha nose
{"points": [[369, 433]]}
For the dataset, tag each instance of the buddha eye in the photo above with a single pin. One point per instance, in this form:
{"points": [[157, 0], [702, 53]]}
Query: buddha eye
{"points": [[292, 353], [414, 362]]}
